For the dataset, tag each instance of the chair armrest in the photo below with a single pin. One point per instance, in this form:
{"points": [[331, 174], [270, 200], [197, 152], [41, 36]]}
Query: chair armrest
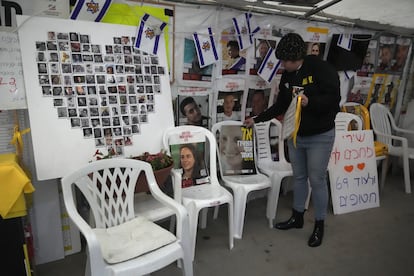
{"points": [[179, 210], [183, 223], [95, 253], [404, 130], [403, 140]]}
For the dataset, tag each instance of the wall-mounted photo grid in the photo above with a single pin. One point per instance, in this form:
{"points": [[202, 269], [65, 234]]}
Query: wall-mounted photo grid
{"points": [[106, 90]]}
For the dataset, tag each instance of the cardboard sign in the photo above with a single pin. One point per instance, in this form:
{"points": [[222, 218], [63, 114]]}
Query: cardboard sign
{"points": [[353, 172]]}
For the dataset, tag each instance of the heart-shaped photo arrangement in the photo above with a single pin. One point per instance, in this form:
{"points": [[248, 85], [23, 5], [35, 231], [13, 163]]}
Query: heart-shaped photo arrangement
{"points": [[106, 91]]}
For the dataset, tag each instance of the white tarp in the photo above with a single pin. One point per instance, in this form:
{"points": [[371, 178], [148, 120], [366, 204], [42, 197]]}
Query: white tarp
{"points": [[397, 14]]}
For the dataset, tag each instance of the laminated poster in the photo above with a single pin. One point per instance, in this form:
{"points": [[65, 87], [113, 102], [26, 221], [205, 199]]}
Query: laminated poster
{"points": [[236, 150]]}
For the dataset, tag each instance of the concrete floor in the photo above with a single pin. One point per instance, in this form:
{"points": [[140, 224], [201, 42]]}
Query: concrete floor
{"points": [[377, 241]]}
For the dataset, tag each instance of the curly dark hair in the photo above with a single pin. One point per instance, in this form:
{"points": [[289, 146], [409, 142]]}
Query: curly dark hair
{"points": [[291, 47]]}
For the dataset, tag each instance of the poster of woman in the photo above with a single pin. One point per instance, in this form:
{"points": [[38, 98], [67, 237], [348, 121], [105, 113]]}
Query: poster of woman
{"points": [[189, 159]]}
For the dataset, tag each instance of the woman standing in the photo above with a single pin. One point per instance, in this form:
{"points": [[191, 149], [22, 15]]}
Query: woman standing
{"points": [[310, 155]]}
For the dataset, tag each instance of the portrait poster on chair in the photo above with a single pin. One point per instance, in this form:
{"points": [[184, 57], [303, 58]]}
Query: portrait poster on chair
{"points": [[236, 150], [188, 153]]}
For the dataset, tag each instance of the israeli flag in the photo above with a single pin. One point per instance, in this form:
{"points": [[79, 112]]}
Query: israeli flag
{"points": [[245, 27], [90, 10], [345, 41], [205, 48], [269, 66], [149, 34]]}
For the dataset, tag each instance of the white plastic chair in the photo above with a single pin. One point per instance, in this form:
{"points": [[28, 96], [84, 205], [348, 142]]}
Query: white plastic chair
{"points": [[344, 121], [359, 110], [119, 242], [241, 185], [199, 197], [362, 113], [276, 170], [387, 132]]}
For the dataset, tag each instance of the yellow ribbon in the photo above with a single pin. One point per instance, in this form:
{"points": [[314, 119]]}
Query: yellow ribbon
{"points": [[17, 139], [297, 119]]}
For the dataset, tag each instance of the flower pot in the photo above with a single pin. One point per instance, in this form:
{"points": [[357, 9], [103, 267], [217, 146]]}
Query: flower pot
{"points": [[161, 177]]}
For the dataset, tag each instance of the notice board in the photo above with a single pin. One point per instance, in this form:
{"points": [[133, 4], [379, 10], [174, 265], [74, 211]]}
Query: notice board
{"points": [[12, 93], [353, 172], [91, 90]]}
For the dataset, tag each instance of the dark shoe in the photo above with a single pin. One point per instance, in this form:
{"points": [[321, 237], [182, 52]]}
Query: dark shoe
{"points": [[316, 238], [295, 221]]}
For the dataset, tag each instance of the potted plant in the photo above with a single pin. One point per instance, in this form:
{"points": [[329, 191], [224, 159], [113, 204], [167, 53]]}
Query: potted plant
{"points": [[161, 164]]}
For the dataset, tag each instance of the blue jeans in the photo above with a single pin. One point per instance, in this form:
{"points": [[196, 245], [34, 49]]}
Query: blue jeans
{"points": [[309, 160]]}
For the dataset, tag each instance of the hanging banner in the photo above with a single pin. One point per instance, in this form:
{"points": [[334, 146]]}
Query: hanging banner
{"points": [[149, 34], [269, 66], [245, 27], [90, 10], [206, 48]]}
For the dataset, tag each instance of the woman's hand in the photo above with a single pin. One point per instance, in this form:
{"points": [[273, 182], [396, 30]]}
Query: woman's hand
{"points": [[249, 122], [304, 100]]}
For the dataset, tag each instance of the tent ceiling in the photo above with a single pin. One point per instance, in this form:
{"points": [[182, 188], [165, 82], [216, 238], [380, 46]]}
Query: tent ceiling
{"points": [[394, 16]]}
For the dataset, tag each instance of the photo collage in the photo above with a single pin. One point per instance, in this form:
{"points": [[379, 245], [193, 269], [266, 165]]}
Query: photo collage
{"points": [[107, 91]]}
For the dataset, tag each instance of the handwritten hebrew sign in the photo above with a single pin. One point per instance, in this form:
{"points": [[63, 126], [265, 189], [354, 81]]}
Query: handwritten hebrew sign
{"points": [[12, 93], [353, 172]]}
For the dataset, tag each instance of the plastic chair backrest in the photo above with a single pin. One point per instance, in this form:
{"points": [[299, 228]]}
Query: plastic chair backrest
{"points": [[265, 132], [382, 122], [216, 128], [194, 134], [344, 121], [360, 110], [110, 204]]}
